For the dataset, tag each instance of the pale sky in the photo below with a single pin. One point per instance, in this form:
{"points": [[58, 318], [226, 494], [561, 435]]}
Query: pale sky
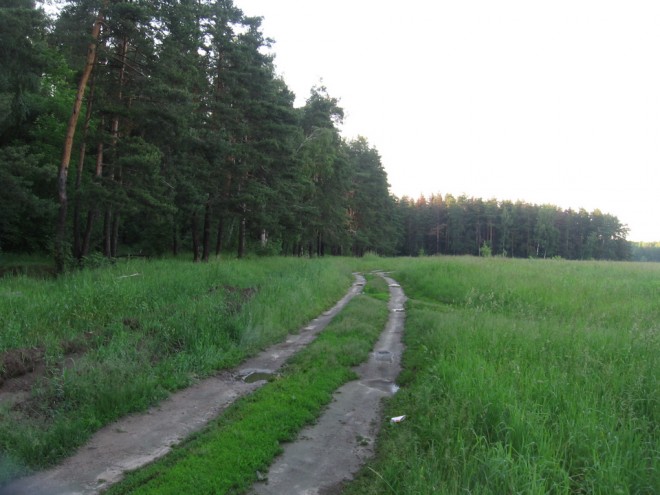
{"points": [[548, 102]]}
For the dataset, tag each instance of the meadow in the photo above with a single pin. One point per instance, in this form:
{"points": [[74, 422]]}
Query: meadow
{"points": [[520, 376], [115, 340], [524, 376]]}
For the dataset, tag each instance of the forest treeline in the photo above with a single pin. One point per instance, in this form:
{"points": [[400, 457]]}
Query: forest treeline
{"points": [[462, 225], [147, 127], [646, 251]]}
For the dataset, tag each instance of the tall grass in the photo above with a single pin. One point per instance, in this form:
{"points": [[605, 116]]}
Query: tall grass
{"points": [[525, 377], [226, 457], [118, 339]]}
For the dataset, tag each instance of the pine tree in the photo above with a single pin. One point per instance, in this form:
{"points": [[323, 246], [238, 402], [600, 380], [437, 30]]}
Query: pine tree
{"points": [[371, 208]]}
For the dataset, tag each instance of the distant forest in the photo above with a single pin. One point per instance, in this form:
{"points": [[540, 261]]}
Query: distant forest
{"points": [[153, 127]]}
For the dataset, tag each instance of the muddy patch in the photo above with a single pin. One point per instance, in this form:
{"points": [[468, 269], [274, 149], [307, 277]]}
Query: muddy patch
{"points": [[16, 392], [19, 362], [132, 323], [383, 356], [257, 375], [235, 297], [22, 369]]}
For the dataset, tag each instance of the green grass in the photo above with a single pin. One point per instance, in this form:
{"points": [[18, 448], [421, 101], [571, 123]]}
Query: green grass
{"points": [[520, 376], [376, 287], [128, 341], [225, 458], [524, 377], [37, 266]]}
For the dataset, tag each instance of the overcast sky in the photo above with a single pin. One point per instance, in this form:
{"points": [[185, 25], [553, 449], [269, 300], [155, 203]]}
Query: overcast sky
{"points": [[548, 102]]}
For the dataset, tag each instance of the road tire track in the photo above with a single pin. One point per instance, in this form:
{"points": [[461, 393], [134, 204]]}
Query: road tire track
{"points": [[328, 453]]}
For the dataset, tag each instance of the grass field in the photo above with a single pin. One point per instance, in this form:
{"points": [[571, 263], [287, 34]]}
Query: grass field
{"points": [[118, 339], [525, 376], [520, 376], [226, 457]]}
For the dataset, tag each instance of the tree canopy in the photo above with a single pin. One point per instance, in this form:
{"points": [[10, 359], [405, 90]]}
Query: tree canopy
{"points": [[173, 131], [465, 225]]}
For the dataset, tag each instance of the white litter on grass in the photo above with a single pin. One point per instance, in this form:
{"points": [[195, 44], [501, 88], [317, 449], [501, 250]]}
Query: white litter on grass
{"points": [[126, 276], [397, 419]]}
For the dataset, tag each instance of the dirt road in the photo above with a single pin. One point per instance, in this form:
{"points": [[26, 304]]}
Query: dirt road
{"points": [[328, 453], [140, 439]]}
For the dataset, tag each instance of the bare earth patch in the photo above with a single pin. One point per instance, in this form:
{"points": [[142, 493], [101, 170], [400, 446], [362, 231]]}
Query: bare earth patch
{"points": [[21, 369]]}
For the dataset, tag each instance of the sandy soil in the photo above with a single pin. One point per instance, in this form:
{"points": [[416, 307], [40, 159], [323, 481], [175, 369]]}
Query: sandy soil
{"points": [[334, 448]]}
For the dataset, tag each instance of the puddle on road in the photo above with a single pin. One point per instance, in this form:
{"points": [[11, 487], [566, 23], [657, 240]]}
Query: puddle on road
{"points": [[252, 376], [385, 356], [255, 377], [384, 385]]}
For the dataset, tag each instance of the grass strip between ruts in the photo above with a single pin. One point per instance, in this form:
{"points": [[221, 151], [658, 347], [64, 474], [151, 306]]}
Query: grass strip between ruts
{"points": [[226, 456]]}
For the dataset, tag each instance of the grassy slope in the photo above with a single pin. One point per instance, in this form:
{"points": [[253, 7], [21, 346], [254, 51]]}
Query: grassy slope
{"points": [[136, 338], [525, 377]]}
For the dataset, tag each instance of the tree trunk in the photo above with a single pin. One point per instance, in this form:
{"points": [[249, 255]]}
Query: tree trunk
{"points": [[77, 241], [68, 142], [206, 242], [123, 50], [175, 239], [107, 233], [115, 234], [112, 227], [93, 212], [87, 237], [195, 237], [241, 238], [218, 242]]}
